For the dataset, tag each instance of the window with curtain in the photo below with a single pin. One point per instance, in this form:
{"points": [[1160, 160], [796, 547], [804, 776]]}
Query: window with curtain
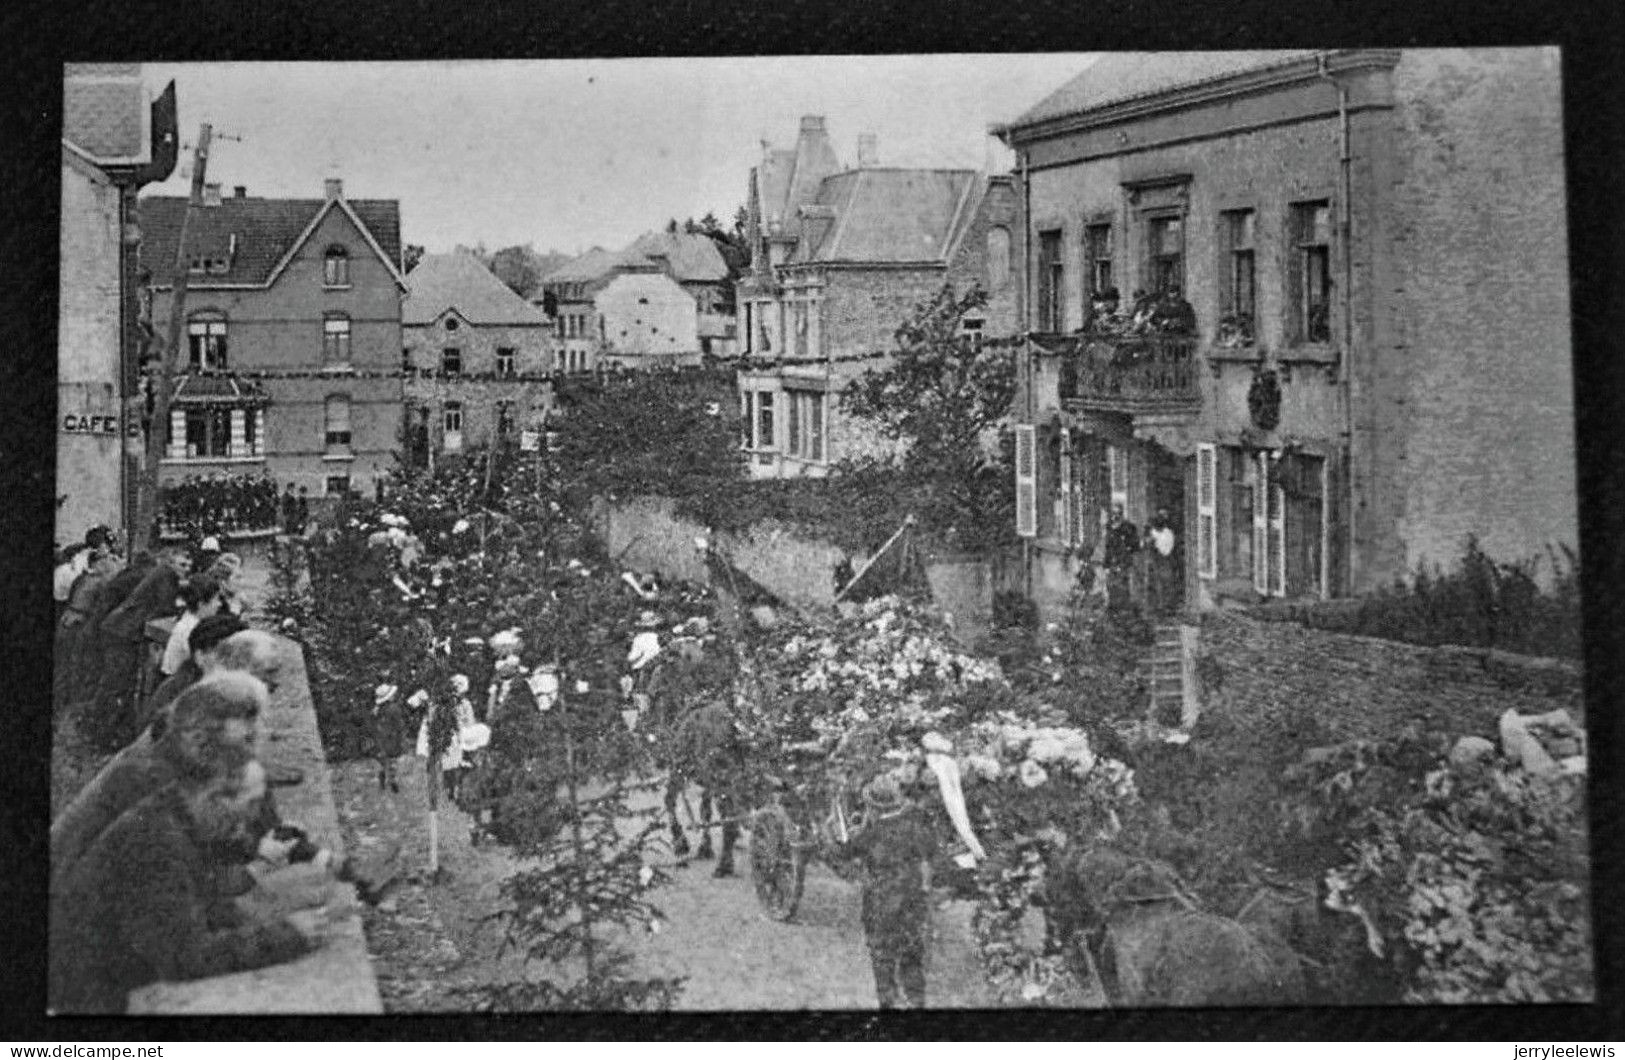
{"points": [[1311, 267], [206, 341], [1165, 242], [1050, 276], [338, 422], [336, 339], [1238, 291], [1097, 254], [336, 267]]}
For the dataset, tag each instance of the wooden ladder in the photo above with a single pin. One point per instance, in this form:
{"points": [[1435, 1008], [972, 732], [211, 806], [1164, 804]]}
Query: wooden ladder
{"points": [[1170, 669]]}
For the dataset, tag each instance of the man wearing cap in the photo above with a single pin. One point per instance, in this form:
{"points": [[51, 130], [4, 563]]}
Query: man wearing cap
{"points": [[121, 636], [202, 644], [895, 848]]}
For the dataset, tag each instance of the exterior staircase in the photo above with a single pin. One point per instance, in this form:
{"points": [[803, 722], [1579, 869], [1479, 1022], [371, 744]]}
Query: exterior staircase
{"points": [[1172, 675]]}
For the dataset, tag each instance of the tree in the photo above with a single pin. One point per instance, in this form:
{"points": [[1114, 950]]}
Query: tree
{"points": [[516, 267], [942, 394], [413, 254]]}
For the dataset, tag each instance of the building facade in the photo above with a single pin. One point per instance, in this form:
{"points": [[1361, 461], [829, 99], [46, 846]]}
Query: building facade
{"points": [[293, 333], [647, 320], [840, 258], [479, 359], [114, 140], [1350, 345]]}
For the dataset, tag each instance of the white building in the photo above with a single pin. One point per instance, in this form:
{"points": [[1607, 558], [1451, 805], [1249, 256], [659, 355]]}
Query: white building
{"points": [[647, 319]]}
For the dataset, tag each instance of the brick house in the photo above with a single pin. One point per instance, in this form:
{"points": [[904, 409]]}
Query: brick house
{"points": [[479, 358], [1372, 245], [293, 322], [839, 259], [114, 140]]}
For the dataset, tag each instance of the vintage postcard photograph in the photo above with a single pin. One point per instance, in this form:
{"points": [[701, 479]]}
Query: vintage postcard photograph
{"points": [[1076, 531]]}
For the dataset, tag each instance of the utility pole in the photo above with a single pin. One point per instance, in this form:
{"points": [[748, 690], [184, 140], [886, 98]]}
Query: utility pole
{"points": [[146, 507]]}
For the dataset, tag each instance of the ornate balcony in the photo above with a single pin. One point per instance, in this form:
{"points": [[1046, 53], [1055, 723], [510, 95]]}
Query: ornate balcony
{"points": [[1154, 372]]}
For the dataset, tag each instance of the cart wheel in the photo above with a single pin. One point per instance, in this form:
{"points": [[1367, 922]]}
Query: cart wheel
{"points": [[777, 866]]}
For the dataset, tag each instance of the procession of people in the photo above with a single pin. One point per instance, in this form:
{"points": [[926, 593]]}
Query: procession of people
{"points": [[218, 504]]}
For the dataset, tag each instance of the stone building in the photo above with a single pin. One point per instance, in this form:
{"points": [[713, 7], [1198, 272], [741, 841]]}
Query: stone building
{"points": [[1372, 246], [840, 258], [114, 140], [293, 330], [479, 358]]}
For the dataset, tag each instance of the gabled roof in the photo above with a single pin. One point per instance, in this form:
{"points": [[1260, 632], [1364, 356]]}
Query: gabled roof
{"points": [[693, 257], [593, 265], [444, 282], [268, 233], [894, 215], [1117, 77]]}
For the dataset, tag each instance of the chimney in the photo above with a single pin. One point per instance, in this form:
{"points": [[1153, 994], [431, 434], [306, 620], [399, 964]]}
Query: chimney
{"points": [[211, 194], [333, 187], [812, 123], [240, 191], [868, 150]]}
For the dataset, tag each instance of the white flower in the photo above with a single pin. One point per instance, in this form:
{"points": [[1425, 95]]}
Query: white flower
{"points": [[984, 766], [460, 526], [654, 927], [645, 874], [1032, 774], [582, 686], [1032, 991]]}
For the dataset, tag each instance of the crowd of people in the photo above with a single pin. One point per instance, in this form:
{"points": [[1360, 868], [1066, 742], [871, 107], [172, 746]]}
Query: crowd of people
{"points": [[150, 857], [213, 505]]}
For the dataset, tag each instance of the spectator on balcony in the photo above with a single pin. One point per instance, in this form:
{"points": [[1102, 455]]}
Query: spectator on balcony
{"points": [[122, 632], [141, 906], [203, 649], [1122, 555], [76, 622], [201, 596], [1103, 306]]}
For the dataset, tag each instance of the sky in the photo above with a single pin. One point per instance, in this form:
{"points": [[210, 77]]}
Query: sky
{"points": [[566, 155]]}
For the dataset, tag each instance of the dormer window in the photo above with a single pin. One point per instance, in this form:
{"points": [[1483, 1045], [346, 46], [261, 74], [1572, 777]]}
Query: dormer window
{"points": [[336, 267], [206, 340]]}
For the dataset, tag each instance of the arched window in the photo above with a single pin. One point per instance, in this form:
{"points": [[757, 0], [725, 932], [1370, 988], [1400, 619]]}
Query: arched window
{"points": [[336, 267], [998, 257], [336, 339], [206, 338], [338, 423]]}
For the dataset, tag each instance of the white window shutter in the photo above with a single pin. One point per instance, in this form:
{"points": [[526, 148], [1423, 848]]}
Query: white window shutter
{"points": [[1068, 536], [1026, 481], [1261, 535], [1207, 522], [1277, 535]]}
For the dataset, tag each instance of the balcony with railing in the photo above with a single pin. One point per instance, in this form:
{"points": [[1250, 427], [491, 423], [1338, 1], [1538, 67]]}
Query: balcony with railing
{"points": [[1153, 372]]}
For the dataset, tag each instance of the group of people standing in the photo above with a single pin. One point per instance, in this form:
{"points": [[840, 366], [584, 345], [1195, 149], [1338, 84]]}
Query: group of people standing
{"points": [[201, 506], [1142, 565], [155, 862], [102, 611]]}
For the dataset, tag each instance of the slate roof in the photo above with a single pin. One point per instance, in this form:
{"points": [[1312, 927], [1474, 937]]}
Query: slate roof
{"points": [[694, 258], [103, 110], [593, 265], [888, 215], [1120, 76], [458, 281], [266, 229]]}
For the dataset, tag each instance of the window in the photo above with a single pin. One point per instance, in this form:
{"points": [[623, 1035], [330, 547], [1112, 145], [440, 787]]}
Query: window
{"points": [[206, 338], [998, 257], [1117, 476], [798, 316], [1241, 486], [336, 267], [1238, 289], [1311, 271], [451, 361], [1097, 259], [1026, 480], [747, 417], [336, 339], [815, 427], [805, 427], [792, 438], [338, 423], [1050, 272], [972, 328], [504, 360], [764, 419], [251, 439], [208, 432], [452, 324], [504, 418], [1165, 242], [451, 421], [338, 485]]}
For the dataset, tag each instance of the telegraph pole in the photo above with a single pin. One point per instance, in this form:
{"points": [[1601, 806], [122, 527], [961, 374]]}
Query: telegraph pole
{"points": [[146, 507]]}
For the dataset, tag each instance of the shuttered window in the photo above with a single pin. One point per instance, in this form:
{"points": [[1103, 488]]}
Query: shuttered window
{"points": [[1026, 481], [1207, 515], [1068, 532]]}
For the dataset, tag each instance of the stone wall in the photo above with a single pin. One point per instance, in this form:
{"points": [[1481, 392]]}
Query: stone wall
{"points": [[337, 978]]}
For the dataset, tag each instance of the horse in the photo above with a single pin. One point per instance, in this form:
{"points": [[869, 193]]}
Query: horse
{"points": [[1131, 920]]}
